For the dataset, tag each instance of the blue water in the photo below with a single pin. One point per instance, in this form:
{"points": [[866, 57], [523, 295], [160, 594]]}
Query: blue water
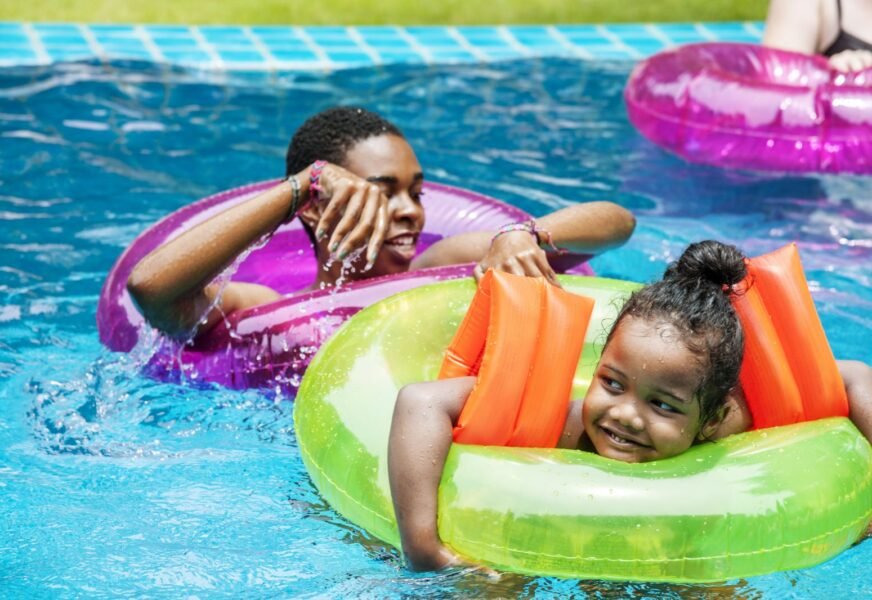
{"points": [[112, 484]]}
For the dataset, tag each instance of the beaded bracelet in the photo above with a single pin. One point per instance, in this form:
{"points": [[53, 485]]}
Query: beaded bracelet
{"points": [[542, 236], [295, 198]]}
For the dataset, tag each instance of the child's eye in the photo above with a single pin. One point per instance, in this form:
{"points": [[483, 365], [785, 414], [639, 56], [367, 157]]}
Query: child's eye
{"points": [[611, 384], [664, 406], [416, 196]]}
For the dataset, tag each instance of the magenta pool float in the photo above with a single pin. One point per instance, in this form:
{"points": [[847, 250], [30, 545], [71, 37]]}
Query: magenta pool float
{"points": [[749, 107]]}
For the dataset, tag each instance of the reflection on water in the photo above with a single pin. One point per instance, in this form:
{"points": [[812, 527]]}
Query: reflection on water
{"points": [[113, 482]]}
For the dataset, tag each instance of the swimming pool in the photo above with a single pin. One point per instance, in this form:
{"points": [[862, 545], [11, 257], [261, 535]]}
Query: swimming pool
{"points": [[117, 485]]}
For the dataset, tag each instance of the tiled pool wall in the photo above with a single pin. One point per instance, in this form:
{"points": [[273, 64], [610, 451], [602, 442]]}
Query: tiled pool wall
{"points": [[276, 48]]}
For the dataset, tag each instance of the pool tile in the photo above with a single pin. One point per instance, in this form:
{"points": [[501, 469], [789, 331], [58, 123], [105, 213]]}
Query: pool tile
{"points": [[291, 55], [69, 53], [272, 47], [240, 55]]}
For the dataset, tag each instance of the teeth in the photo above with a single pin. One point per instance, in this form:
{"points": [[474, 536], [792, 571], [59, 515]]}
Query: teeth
{"points": [[403, 240]]}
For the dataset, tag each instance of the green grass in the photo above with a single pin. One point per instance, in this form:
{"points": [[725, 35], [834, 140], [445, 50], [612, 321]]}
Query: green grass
{"points": [[379, 12]]}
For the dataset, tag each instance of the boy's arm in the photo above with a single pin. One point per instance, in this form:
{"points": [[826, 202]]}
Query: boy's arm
{"points": [[858, 386], [586, 228], [420, 437], [171, 285]]}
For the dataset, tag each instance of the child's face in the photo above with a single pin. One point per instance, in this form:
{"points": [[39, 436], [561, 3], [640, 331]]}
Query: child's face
{"points": [[389, 162], [641, 404]]}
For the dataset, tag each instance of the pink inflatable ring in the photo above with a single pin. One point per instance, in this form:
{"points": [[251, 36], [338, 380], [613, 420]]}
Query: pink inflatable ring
{"points": [[271, 345], [745, 106]]}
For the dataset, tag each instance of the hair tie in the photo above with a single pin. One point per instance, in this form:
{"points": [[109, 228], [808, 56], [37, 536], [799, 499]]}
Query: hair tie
{"points": [[542, 236]]}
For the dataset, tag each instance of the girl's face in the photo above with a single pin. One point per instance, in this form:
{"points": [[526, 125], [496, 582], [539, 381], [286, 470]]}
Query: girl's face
{"points": [[642, 403], [389, 162]]}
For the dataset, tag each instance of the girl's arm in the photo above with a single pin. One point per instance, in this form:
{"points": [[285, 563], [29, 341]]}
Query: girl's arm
{"points": [[171, 285], [586, 228], [420, 437], [793, 25], [858, 385]]}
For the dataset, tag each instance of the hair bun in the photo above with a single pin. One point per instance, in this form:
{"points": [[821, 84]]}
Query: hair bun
{"points": [[716, 262]]}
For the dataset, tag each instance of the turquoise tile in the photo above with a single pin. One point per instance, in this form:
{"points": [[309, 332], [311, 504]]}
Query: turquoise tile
{"points": [[240, 55], [284, 44], [451, 54], [293, 55], [12, 37], [168, 30], [62, 39], [348, 57], [111, 29], [128, 53], [23, 52], [608, 52], [401, 57], [628, 31], [69, 53], [177, 43], [275, 34], [6, 27], [387, 43], [186, 56]]}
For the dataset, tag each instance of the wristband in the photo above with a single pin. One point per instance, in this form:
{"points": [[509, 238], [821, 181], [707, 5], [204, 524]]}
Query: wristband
{"points": [[542, 236], [295, 198]]}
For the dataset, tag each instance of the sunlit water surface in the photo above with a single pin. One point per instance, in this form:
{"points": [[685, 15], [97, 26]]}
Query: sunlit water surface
{"points": [[112, 484]]}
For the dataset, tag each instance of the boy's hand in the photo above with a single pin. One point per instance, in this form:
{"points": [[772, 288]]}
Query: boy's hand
{"points": [[355, 211], [518, 253]]}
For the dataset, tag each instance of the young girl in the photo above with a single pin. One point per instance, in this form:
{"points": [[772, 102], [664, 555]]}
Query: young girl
{"points": [[667, 379], [369, 196]]}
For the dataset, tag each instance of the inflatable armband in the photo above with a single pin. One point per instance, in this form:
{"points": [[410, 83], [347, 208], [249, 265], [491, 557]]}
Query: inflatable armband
{"points": [[789, 374], [522, 337]]}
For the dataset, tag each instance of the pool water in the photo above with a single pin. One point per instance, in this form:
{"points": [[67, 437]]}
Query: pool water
{"points": [[112, 484]]}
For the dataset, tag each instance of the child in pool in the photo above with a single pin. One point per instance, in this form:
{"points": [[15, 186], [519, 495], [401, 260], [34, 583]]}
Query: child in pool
{"points": [[667, 379], [370, 197]]}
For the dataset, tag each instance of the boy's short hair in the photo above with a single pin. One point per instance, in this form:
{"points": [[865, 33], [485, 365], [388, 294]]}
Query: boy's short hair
{"points": [[331, 133]]}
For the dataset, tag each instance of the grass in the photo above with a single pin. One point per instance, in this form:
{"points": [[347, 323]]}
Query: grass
{"points": [[379, 12]]}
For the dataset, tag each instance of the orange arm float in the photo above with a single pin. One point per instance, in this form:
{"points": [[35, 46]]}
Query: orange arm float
{"points": [[789, 373], [522, 338]]}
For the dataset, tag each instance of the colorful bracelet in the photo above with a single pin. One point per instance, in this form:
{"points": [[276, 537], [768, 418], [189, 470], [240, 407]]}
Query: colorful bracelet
{"points": [[315, 180], [542, 236]]}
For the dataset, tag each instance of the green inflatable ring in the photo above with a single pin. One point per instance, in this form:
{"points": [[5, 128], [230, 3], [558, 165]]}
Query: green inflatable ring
{"points": [[771, 500]]}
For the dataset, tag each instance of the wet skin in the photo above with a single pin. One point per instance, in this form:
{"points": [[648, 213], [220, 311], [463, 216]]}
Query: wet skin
{"points": [[389, 162], [642, 404]]}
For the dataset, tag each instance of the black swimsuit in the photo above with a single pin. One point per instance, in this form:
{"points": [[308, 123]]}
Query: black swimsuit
{"points": [[845, 41]]}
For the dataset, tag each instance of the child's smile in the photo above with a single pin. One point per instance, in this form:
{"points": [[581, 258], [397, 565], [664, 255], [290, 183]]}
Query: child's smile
{"points": [[642, 403]]}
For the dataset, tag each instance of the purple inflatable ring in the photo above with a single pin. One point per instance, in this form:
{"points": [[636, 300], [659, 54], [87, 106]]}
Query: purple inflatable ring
{"points": [[271, 345], [746, 106]]}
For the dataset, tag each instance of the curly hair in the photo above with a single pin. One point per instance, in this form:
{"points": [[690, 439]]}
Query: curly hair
{"points": [[330, 134], [694, 298]]}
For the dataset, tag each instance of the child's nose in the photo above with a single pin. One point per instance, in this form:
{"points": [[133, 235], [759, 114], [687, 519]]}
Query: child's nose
{"points": [[626, 414]]}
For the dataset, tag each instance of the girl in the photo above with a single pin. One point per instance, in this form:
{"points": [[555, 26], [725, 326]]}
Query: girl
{"points": [[667, 379], [838, 29], [369, 185]]}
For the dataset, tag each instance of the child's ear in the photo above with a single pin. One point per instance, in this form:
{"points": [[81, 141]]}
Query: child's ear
{"points": [[733, 417]]}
